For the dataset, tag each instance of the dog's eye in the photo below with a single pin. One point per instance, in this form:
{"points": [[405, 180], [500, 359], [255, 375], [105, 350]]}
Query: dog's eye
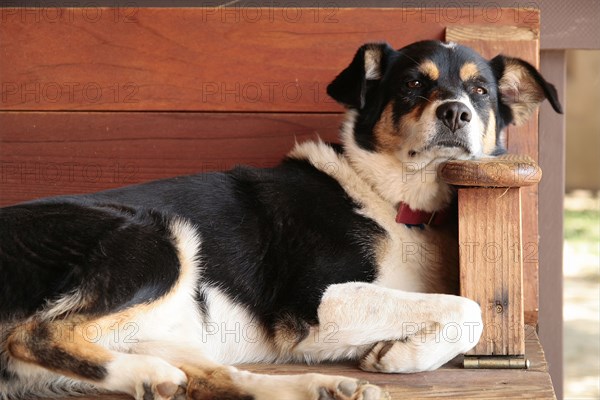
{"points": [[414, 84], [480, 90]]}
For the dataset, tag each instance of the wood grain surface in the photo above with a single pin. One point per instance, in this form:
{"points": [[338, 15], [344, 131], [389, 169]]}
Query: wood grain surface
{"points": [[52, 153], [450, 381], [509, 170], [203, 59], [521, 140], [491, 265]]}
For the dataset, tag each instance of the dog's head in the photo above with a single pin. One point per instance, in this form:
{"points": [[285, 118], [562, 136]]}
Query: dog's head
{"points": [[436, 101]]}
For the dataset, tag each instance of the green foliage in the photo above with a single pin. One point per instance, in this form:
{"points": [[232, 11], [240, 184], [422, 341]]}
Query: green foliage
{"points": [[582, 225]]}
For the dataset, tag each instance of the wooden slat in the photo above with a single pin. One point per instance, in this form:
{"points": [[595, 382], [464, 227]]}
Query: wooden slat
{"points": [[203, 59], [493, 32], [491, 265], [450, 381], [45, 154], [520, 140]]}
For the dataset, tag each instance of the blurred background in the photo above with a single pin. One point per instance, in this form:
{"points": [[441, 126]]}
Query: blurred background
{"points": [[581, 267]]}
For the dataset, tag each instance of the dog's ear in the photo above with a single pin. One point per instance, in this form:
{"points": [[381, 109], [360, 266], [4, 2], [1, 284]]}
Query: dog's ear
{"points": [[522, 88], [350, 86]]}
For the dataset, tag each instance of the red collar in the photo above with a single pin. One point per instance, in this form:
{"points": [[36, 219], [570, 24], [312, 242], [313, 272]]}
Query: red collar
{"points": [[410, 217]]}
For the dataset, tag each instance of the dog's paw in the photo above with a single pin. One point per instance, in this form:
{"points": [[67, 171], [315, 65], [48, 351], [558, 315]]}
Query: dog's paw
{"points": [[145, 378], [352, 389], [166, 390], [415, 354], [164, 382], [231, 383], [382, 358]]}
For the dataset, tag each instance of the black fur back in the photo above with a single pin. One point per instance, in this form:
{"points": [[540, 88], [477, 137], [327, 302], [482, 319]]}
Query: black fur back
{"points": [[272, 239], [115, 256]]}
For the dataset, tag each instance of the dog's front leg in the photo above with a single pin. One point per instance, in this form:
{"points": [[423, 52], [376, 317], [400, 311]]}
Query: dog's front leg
{"points": [[392, 330]]}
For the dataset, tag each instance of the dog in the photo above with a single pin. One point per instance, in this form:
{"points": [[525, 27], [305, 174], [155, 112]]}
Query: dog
{"points": [[157, 289]]}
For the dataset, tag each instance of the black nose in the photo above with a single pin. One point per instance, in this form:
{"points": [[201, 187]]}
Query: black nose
{"points": [[454, 115]]}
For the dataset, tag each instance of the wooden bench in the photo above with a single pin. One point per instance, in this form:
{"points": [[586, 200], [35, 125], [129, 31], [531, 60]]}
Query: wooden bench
{"points": [[450, 381], [99, 98]]}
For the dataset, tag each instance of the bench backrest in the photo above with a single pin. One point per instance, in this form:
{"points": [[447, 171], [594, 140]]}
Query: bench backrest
{"points": [[104, 97]]}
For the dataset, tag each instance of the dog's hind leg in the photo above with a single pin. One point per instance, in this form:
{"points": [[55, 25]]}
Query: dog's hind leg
{"points": [[391, 330], [232, 383], [208, 380], [65, 348], [106, 269]]}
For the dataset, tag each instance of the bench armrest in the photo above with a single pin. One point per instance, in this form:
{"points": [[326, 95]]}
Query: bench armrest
{"points": [[491, 272], [509, 170]]}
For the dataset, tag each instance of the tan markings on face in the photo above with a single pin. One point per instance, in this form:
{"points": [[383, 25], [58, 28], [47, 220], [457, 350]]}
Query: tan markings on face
{"points": [[386, 133], [429, 69], [468, 71], [489, 138], [417, 127], [520, 91]]}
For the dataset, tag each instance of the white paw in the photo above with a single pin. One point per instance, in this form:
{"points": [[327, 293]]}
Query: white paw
{"points": [[471, 324], [146, 378], [352, 389], [389, 357], [167, 390], [159, 380], [429, 345]]}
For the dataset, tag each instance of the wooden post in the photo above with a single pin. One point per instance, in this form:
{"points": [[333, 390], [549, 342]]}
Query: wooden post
{"points": [[491, 252], [522, 42], [491, 265]]}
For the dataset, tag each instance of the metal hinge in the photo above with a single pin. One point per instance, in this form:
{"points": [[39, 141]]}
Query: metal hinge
{"points": [[496, 362]]}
